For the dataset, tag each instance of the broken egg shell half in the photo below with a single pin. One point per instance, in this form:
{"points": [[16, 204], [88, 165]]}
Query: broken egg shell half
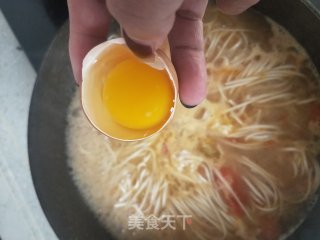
{"points": [[100, 61]]}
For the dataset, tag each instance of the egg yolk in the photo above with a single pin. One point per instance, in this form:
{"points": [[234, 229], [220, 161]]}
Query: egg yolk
{"points": [[138, 96]]}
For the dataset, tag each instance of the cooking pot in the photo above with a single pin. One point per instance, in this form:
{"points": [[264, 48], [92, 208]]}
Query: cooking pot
{"points": [[61, 201]]}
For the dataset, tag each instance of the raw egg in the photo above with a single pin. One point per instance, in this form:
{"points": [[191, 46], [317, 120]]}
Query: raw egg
{"points": [[126, 97]]}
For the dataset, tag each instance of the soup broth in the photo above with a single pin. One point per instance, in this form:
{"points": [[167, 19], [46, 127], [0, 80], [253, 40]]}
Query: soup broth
{"points": [[241, 165]]}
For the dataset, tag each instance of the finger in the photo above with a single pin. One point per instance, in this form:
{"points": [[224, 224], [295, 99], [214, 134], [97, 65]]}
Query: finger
{"points": [[234, 7], [145, 22], [89, 21], [186, 43]]}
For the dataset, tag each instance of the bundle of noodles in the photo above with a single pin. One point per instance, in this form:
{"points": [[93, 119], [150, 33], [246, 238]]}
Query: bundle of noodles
{"points": [[242, 164]]}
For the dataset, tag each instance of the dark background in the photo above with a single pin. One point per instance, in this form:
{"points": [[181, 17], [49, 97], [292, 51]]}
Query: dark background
{"points": [[35, 23]]}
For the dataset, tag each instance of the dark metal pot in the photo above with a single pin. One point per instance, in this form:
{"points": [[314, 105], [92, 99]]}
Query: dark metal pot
{"points": [[62, 204]]}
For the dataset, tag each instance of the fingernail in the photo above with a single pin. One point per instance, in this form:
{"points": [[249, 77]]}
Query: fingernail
{"points": [[140, 50], [188, 106]]}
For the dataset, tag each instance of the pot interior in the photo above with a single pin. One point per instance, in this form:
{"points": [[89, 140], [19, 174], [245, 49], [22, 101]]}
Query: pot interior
{"points": [[63, 205]]}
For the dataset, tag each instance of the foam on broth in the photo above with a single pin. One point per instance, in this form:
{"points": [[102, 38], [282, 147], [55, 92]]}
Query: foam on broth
{"points": [[242, 163]]}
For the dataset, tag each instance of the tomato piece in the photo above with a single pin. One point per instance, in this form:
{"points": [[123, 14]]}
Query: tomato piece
{"points": [[235, 140], [165, 149], [270, 228], [314, 111], [238, 186]]}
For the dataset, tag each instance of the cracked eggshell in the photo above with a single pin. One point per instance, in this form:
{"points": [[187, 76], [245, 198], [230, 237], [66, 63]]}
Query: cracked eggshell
{"points": [[96, 65]]}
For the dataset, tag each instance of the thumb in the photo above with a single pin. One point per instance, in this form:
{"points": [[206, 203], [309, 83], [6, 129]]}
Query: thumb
{"points": [[146, 23]]}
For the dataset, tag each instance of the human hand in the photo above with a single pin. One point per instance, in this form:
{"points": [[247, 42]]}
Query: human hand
{"points": [[147, 23]]}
